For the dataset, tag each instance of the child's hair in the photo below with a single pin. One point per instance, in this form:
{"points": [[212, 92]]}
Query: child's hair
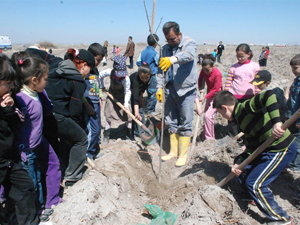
{"points": [[7, 70], [295, 61], [17, 56], [201, 55], [130, 37], [114, 46], [208, 59], [244, 48], [96, 49], [267, 47], [152, 39], [105, 43], [31, 67], [215, 50], [224, 98], [145, 68], [71, 54]]}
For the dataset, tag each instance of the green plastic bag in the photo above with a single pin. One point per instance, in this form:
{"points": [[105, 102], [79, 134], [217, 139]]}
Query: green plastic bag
{"points": [[159, 216]]}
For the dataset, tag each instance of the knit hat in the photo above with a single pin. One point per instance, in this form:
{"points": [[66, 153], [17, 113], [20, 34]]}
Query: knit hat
{"points": [[261, 77], [87, 57], [120, 66]]}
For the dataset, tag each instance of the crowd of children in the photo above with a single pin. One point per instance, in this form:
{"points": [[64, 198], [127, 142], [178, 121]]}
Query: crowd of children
{"points": [[45, 98]]}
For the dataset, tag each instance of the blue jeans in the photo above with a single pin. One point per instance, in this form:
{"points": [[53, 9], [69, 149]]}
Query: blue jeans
{"points": [[151, 100], [93, 130], [31, 164], [262, 171], [179, 112], [137, 130], [219, 58], [295, 164]]}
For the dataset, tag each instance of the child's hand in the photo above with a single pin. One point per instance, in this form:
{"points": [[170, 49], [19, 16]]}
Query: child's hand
{"points": [[101, 104], [89, 109], [237, 172], [138, 116], [202, 100], [277, 131], [6, 100]]}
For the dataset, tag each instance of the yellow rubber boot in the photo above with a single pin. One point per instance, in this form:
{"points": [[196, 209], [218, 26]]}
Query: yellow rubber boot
{"points": [[183, 147], [173, 148]]}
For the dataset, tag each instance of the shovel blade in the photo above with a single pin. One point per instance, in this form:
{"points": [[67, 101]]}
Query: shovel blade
{"points": [[152, 138], [222, 142]]}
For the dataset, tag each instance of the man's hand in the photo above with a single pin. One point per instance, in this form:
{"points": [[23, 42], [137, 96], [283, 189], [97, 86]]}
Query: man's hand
{"points": [[159, 95], [277, 131], [237, 172], [6, 100], [166, 62]]}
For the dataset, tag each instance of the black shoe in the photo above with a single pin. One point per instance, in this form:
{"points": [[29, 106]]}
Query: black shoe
{"points": [[106, 134], [129, 134]]}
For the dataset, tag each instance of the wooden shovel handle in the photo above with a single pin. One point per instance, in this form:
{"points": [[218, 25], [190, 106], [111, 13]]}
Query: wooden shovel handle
{"points": [[260, 149], [122, 107]]}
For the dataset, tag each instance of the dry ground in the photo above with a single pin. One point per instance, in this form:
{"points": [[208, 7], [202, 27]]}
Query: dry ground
{"points": [[132, 171]]}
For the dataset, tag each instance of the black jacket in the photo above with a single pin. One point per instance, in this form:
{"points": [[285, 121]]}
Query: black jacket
{"points": [[65, 89], [7, 152]]}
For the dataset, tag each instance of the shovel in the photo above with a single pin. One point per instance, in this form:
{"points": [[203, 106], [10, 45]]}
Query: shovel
{"points": [[151, 134], [260, 149], [224, 141]]}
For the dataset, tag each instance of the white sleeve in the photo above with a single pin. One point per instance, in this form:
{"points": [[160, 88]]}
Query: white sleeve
{"points": [[102, 74], [127, 92]]}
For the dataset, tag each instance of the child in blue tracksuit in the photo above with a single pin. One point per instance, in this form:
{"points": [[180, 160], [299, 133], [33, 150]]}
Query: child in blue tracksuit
{"points": [[93, 103], [293, 104], [151, 57]]}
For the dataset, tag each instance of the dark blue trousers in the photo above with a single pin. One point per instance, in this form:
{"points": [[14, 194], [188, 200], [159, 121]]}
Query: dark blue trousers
{"points": [[151, 100], [260, 173], [93, 130]]}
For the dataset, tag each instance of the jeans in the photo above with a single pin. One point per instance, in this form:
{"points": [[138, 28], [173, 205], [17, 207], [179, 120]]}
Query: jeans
{"points": [[71, 133], [179, 112], [295, 163], [262, 171], [93, 131], [219, 58], [151, 100], [137, 130], [20, 188], [31, 164], [131, 62]]}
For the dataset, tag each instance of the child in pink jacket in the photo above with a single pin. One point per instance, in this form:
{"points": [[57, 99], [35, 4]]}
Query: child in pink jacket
{"points": [[213, 80]]}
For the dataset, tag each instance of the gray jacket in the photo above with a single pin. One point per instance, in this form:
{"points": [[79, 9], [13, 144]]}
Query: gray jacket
{"points": [[185, 74]]}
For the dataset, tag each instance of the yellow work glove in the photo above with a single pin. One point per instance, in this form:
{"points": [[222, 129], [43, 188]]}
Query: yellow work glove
{"points": [[159, 95], [166, 62]]}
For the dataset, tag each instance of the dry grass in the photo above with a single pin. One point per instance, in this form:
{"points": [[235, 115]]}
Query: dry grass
{"points": [[47, 44]]}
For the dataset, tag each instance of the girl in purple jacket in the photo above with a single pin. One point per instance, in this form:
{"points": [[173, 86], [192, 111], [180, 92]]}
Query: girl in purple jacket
{"points": [[37, 154]]}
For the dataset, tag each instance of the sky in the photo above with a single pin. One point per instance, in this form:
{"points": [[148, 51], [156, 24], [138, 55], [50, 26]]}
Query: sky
{"points": [[206, 21]]}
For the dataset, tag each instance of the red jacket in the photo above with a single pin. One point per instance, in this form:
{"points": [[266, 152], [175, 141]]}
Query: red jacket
{"points": [[267, 53], [213, 82]]}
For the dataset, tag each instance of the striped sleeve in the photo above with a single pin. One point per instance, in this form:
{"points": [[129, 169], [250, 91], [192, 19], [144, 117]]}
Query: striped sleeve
{"points": [[268, 100], [229, 79]]}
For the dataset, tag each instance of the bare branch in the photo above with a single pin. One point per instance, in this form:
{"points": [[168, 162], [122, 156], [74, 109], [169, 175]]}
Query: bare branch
{"points": [[147, 16], [158, 25]]}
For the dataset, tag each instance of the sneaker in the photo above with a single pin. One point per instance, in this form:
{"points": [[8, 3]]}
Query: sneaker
{"points": [[280, 222], [99, 155], [45, 215], [46, 223]]}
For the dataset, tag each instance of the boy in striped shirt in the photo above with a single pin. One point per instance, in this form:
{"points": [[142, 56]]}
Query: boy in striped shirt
{"points": [[259, 118]]}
